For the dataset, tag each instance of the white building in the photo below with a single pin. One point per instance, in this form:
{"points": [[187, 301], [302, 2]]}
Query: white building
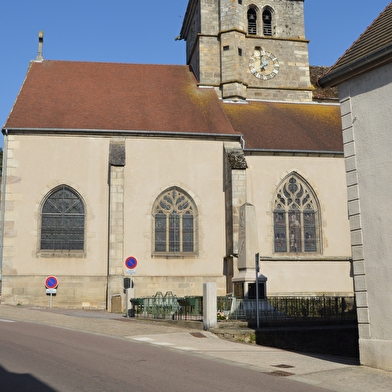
{"points": [[364, 77]]}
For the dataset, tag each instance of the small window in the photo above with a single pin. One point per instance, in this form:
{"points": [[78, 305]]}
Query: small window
{"points": [[296, 217], [175, 223], [252, 21], [62, 221], [267, 22]]}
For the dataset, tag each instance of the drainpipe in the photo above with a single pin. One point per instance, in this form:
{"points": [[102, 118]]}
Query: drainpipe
{"points": [[3, 183]]}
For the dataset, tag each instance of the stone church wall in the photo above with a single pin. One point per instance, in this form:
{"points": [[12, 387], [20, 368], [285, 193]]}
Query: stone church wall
{"points": [[115, 230], [327, 272]]}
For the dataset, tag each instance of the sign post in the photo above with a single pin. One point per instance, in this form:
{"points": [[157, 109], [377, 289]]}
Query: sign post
{"points": [[51, 283], [257, 289], [130, 264]]}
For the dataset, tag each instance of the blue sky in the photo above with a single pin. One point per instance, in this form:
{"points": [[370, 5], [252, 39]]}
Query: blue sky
{"points": [[133, 31]]}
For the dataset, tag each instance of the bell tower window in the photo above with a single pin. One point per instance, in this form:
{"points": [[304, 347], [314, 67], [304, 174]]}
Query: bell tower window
{"points": [[252, 21], [267, 22]]}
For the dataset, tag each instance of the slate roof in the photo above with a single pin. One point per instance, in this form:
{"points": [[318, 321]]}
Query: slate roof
{"points": [[287, 126], [110, 97], [372, 48]]}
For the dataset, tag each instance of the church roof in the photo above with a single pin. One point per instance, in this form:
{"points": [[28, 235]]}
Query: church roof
{"points": [[287, 126], [373, 48], [111, 96]]}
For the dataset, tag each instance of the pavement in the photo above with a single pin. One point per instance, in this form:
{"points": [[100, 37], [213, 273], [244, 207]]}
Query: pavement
{"points": [[331, 373]]}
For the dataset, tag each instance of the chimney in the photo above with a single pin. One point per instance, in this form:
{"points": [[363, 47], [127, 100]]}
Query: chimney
{"points": [[40, 45]]}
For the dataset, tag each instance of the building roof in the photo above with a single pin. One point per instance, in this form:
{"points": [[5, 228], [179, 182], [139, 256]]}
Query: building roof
{"points": [[373, 48], [78, 96], [287, 126], [327, 94], [109, 96]]}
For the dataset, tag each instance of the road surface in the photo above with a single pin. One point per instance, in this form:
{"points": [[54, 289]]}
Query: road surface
{"points": [[43, 358]]}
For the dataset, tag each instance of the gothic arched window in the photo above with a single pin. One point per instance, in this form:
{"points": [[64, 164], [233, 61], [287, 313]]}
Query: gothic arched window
{"points": [[252, 21], [296, 217], [175, 223], [62, 221], [267, 22]]}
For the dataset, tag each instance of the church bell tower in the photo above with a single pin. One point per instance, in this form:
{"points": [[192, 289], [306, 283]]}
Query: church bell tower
{"points": [[249, 49]]}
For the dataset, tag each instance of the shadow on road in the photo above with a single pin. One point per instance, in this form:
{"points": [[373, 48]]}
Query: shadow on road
{"points": [[14, 382]]}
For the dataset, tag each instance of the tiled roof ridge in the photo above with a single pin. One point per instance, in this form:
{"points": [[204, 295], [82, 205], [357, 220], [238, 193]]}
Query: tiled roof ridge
{"points": [[109, 63]]}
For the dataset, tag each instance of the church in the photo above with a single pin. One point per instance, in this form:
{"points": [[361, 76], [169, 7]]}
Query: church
{"points": [[178, 175]]}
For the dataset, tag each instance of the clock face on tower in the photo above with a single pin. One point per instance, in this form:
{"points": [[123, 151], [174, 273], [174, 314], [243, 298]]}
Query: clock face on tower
{"points": [[263, 64]]}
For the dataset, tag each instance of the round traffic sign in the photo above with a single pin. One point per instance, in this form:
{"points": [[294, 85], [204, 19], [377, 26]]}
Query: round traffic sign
{"points": [[131, 262], [51, 282]]}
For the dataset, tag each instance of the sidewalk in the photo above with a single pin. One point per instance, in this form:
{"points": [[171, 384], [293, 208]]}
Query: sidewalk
{"points": [[332, 373]]}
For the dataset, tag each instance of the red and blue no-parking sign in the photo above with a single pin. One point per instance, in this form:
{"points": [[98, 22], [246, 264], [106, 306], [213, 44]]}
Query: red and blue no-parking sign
{"points": [[51, 282], [131, 262]]}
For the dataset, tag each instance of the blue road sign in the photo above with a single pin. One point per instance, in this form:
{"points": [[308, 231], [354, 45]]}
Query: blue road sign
{"points": [[131, 262], [51, 282]]}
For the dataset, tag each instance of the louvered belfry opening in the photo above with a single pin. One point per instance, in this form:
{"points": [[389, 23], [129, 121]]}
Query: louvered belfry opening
{"points": [[267, 22], [252, 21]]}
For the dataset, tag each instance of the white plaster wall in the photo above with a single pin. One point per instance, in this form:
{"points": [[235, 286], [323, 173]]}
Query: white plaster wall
{"points": [[79, 162], [369, 158], [36, 165], [153, 165], [328, 272], [327, 178]]}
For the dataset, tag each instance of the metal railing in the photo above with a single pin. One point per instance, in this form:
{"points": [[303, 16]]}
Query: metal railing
{"points": [[169, 306], [294, 308]]}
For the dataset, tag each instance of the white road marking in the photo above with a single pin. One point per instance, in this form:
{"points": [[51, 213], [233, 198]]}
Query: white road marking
{"points": [[7, 321], [142, 339], [156, 343]]}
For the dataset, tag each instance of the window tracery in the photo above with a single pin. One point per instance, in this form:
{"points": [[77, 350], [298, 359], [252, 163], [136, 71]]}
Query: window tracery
{"points": [[62, 221], [296, 217], [175, 223]]}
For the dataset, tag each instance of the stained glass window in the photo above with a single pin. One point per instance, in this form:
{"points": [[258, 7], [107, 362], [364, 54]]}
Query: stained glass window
{"points": [[62, 221], [296, 217], [174, 214]]}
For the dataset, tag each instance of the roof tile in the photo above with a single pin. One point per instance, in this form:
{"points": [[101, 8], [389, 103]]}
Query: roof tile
{"points": [[112, 96], [287, 126]]}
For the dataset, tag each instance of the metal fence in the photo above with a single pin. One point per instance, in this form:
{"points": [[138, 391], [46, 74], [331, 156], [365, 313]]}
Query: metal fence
{"points": [[292, 308], [169, 306]]}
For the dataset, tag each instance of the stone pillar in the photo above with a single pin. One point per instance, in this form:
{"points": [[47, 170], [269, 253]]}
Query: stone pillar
{"points": [[248, 246], [116, 219], [209, 305], [235, 196]]}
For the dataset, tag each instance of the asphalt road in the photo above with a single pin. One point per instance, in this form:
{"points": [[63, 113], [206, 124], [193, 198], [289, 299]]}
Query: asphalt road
{"points": [[43, 358]]}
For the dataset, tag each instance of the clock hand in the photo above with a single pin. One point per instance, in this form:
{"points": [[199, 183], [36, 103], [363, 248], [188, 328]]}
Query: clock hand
{"points": [[263, 63]]}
